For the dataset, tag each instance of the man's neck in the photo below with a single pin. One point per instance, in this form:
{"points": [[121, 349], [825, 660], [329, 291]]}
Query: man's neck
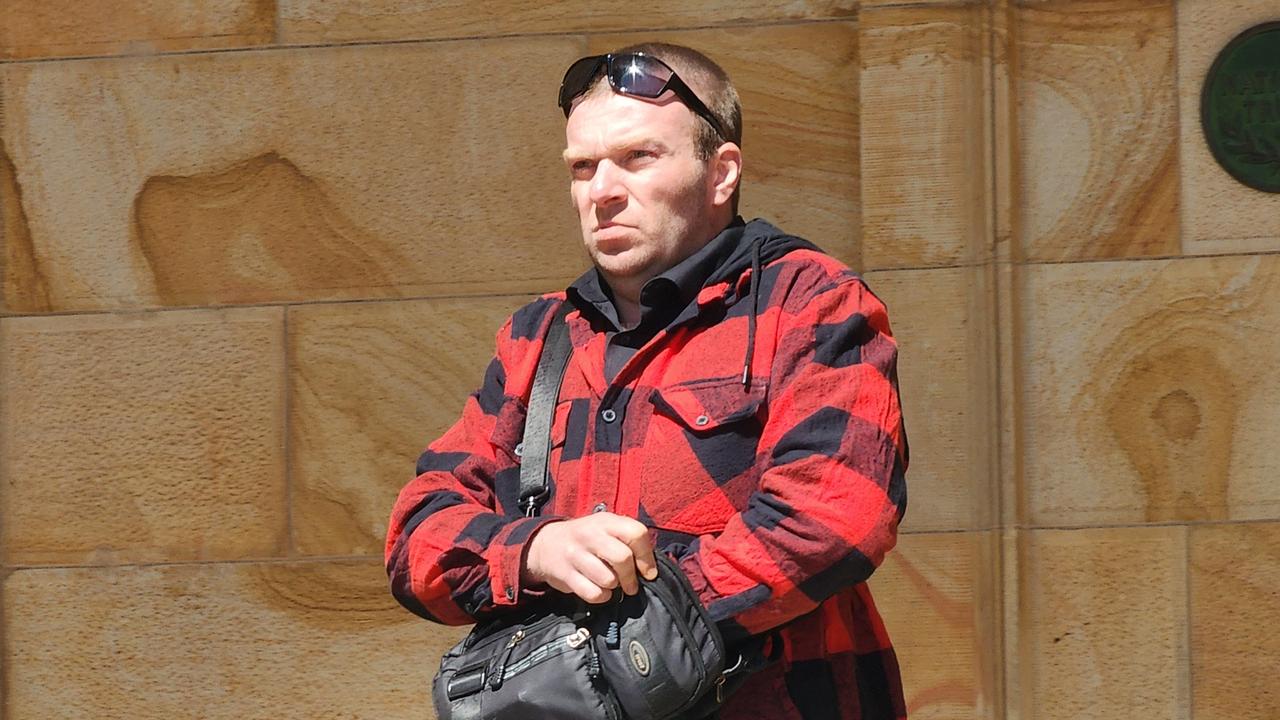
{"points": [[628, 311]]}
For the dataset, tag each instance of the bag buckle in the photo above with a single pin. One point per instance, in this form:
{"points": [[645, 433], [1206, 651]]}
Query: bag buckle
{"points": [[531, 503]]}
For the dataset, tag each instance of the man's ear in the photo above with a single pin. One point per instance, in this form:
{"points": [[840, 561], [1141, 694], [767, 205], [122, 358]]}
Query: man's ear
{"points": [[726, 172]]}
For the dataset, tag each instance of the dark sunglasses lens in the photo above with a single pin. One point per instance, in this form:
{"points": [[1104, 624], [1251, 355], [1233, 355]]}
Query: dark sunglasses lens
{"points": [[577, 79], [638, 75]]}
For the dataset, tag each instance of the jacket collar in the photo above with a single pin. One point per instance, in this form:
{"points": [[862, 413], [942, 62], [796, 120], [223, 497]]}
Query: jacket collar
{"points": [[668, 292]]}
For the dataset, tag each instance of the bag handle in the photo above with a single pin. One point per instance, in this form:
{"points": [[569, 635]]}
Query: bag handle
{"points": [[536, 444]]}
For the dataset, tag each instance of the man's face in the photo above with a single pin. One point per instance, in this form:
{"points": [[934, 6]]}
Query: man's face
{"points": [[642, 195]]}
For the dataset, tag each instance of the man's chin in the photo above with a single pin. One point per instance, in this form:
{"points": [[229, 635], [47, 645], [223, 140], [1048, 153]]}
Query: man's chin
{"points": [[614, 249], [613, 240], [619, 266]]}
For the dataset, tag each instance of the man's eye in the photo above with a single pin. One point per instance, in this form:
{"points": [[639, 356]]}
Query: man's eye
{"points": [[639, 154], [582, 168]]}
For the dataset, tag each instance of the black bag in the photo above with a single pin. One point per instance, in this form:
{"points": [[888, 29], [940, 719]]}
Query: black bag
{"points": [[655, 655], [649, 656]]}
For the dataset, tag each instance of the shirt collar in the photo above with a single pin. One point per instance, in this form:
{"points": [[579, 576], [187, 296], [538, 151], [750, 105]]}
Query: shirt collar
{"points": [[667, 292]]}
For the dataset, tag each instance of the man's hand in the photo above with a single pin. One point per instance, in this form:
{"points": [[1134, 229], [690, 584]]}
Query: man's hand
{"points": [[590, 556]]}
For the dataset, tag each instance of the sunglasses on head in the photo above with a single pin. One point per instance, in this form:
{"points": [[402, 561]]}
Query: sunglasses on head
{"points": [[633, 74]]}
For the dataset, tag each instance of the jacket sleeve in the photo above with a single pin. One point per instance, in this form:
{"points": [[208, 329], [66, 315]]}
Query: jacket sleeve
{"points": [[833, 491], [456, 541]]}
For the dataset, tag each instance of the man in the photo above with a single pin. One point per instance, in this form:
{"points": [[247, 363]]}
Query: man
{"points": [[731, 400]]}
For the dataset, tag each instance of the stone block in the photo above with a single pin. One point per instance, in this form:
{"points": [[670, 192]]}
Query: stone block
{"points": [[1103, 624], [870, 4], [1150, 390], [62, 28], [1220, 215], [372, 385], [931, 592], [144, 437], [1097, 150], [1235, 600], [311, 21], [214, 641], [948, 399], [318, 173], [798, 85], [923, 102]]}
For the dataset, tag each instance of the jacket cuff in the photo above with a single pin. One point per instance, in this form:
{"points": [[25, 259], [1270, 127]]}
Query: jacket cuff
{"points": [[506, 559]]}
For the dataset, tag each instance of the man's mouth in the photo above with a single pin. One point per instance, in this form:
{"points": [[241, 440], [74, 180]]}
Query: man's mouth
{"points": [[610, 228]]}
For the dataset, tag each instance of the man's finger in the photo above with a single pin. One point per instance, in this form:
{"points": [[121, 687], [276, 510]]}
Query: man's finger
{"points": [[636, 536], [582, 587], [594, 569], [642, 551], [621, 561]]}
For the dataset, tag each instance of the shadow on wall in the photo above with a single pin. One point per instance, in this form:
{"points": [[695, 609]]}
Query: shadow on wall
{"points": [[334, 597], [25, 287], [259, 231]]}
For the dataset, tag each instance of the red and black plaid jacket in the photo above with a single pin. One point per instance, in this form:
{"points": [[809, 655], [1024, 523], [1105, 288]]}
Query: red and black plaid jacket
{"points": [[759, 435]]}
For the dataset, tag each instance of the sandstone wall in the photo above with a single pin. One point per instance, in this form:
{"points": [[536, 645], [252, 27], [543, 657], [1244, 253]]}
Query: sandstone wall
{"points": [[254, 253]]}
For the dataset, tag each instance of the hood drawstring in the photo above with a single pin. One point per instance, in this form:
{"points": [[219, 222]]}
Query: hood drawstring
{"points": [[751, 318]]}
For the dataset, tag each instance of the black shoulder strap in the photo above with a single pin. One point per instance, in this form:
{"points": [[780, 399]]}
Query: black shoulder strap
{"points": [[536, 445]]}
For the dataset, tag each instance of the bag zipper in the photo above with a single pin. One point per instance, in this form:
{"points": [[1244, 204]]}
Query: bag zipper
{"points": [[542, 653], [489, 635], [713, 631], [672, 605], [499, 670]]}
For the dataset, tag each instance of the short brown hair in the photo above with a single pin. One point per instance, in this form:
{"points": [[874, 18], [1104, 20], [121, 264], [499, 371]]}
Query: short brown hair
{"points": [[711, 84]]}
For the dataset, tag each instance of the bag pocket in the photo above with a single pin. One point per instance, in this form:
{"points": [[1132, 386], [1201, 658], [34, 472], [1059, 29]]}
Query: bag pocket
{"points": [[546, 668], [666, 653]]}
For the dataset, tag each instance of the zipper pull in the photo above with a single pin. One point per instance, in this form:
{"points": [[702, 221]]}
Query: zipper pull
{"points": [[495, 678], [578, 638], [613, 634], [593, 664]]}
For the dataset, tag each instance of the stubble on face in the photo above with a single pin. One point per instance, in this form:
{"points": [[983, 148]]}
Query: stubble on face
{"points": [[660, 213], [659, 240]]}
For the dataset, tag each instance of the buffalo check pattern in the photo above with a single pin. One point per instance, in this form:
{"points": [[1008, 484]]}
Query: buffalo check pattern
{"points": [[778, 494]]}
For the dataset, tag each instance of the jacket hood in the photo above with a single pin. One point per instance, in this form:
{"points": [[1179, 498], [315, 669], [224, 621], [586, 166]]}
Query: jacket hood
{"points": [[759, 243]]}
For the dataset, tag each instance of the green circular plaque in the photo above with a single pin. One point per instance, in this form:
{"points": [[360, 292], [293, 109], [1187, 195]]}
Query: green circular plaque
{"points": [[1240, 107]]}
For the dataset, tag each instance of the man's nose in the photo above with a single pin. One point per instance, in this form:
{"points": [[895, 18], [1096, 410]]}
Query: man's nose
{"points": [[606, 185]]}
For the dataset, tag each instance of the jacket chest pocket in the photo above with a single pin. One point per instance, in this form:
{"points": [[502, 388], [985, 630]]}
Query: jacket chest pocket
{"points": [[700, 464]]}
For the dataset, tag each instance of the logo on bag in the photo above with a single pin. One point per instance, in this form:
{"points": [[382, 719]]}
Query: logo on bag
{"points": [[639, 657]]}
